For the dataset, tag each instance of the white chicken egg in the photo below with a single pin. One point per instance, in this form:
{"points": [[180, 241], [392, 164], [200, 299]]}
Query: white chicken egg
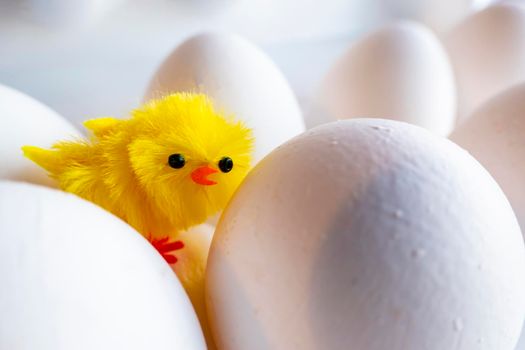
{"points": [[495, 136], [25, 121], [488, 54], [240, 79], [367, 234], [74, 276], [400, 72]]}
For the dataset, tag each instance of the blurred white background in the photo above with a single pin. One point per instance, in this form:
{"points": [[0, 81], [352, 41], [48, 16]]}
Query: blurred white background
{"points": [[89, 58]]}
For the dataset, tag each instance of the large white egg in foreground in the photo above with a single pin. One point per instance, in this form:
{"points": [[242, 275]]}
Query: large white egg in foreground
{"points": [[400, 72], [495, 136], [25, 121], [241, 80], [73, 276], [372, 235], [487, 51]]}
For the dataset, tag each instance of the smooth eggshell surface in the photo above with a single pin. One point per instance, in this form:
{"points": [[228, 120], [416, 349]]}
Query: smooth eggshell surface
{"points": [[495, 136], [400, 72], [25, 121], [74, 276], [488, 54], [241, 80], [370, 234]]}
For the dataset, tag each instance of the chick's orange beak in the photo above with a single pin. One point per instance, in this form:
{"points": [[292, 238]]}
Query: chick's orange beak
{"points": [[200, 175]]}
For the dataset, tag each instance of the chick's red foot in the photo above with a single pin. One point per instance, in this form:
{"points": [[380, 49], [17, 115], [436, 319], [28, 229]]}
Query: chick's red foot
{"points": [[166, 248]]}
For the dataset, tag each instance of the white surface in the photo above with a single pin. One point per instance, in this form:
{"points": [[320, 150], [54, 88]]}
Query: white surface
{"points": [[440, 15], [25, 121], [103, 68], [285, 20], [68, 13], [75, 277], [488, 54], [241, 81], [400, 72], [521, 342], [372, 233]]}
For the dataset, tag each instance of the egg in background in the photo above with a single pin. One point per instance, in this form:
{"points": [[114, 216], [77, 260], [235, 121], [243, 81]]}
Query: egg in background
{"points": [[487, 51], [495, 135], [399, 72], [25, 121], [370, 233], [74, 276], [240, 79]]}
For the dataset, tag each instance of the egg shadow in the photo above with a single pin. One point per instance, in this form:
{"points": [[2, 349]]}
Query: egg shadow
{"points": [[358, 297], [247, 330]]}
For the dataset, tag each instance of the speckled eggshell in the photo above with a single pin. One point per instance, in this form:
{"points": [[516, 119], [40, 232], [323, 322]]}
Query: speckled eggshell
{"points": [[495, 136], [73, 276], [25, 121], [399, 72], [488, 54], [367, 234], [241, 80]]}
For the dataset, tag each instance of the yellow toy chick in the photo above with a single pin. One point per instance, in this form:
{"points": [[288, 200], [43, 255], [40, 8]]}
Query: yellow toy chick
{"points": [[173, 164]]}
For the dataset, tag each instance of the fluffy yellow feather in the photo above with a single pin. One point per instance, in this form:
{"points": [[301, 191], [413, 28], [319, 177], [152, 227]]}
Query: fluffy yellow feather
{"points": [[174, 163]]}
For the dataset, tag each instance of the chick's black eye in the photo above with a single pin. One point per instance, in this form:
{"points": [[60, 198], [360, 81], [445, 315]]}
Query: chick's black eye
{"points": [[226, 164], [176, 161]]}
